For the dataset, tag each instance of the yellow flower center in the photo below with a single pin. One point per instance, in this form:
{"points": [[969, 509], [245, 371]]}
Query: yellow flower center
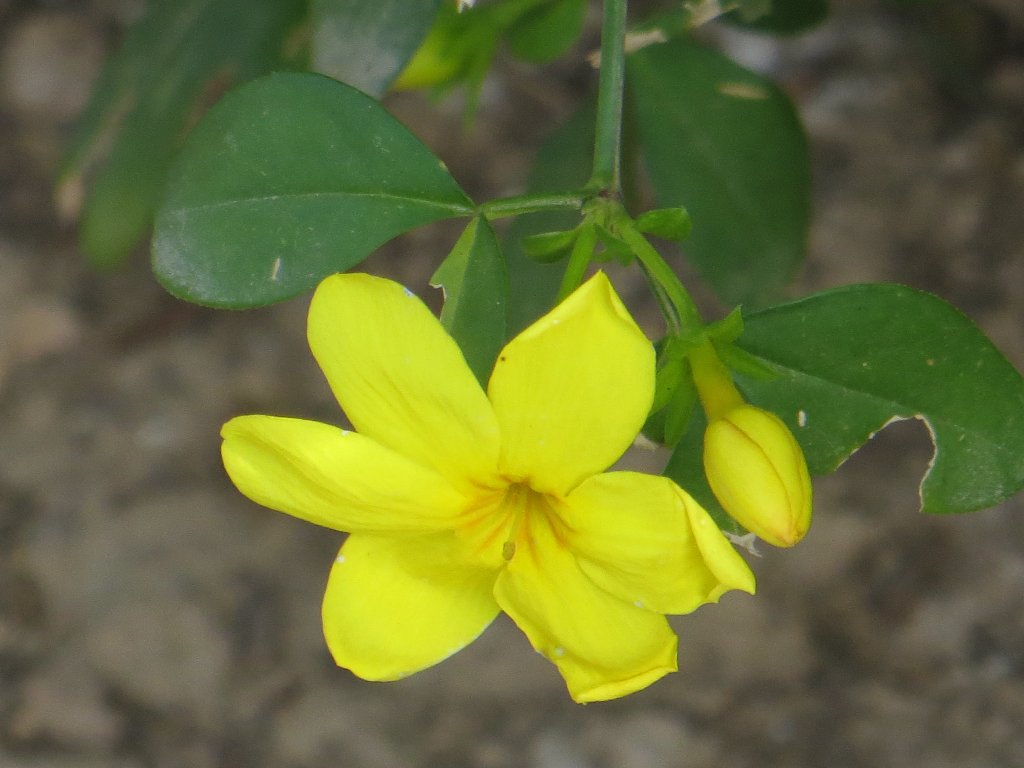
{"points": [[520, 500], [507, 517]]}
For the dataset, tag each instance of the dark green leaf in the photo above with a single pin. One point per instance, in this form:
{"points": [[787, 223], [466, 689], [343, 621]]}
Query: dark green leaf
{"points": [[289, 179], [783, 17], [174, 62], [726, 144], [366, 43], [544, 34], [853, 359], [563, 163], [475, 285]]}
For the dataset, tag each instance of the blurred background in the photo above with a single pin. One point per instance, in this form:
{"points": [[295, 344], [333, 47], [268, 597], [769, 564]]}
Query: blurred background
{"points": [[150, 616]]}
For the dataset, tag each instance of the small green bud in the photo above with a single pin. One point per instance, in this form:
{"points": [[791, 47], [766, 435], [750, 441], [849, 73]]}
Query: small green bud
{"points": [[666, 223]]}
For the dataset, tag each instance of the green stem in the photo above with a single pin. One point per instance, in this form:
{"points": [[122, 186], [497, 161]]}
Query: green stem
{"points": [[579, 259], [715, 387], [666, 306], [515, 206], [608, 133], [687, 317]]}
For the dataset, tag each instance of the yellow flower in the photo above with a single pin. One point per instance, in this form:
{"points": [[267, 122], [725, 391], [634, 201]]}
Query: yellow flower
{"points": [[757, 471], [754, 465], [461, 503]]}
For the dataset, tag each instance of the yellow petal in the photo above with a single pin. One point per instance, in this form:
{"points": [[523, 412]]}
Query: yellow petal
{"points": [[643, 540], [731, 570], [396, 605], [757, 471], [572, 391], [400, 378], [334, 478], [604, 647]]}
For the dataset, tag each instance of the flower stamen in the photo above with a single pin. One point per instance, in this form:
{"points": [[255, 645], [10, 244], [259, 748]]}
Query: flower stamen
{"points": [[517, 501]]}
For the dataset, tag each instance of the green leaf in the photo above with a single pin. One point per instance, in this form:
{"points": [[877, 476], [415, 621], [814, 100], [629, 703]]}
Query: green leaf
{"points": [[475, 285], [544, 33], [289, 179], [783, 17], [562, 163], [179, 58], [366, 43], [853, 359], [726, 144]]}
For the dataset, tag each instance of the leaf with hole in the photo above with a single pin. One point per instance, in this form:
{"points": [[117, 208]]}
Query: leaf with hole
{"points": [[851, 360]]}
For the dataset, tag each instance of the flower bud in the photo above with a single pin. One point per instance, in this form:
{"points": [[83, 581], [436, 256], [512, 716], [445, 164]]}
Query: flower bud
{"points": [[757, 471]]}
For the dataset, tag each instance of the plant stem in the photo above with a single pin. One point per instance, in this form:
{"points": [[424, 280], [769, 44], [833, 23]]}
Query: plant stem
{"points": [[514, 206], [687, 318], [608, 133], [668, 310]]}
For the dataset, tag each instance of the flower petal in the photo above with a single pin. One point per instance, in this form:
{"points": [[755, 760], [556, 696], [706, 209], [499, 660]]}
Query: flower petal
{"points": [[603, 646], [644, 540], [334, 478], [396, 605], [400, 378], [729, 568], [572, 391]]}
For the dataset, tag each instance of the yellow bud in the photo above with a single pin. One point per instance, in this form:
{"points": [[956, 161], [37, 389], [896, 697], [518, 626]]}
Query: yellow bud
{"points": [[757, 471]]}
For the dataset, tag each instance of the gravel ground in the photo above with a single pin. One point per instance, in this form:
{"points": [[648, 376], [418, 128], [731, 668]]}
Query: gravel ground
{"points": [[151, 616]]}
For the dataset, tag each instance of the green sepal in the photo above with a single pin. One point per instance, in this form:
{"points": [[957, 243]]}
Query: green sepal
{"points": [[728, 329], [614, 247], [680, 408], [674, 393], [549, 247], [666, 223], [740, 361], [723, 333]]}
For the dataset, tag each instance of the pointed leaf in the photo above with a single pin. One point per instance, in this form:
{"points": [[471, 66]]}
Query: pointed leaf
{"points": [[726, 144], [853, 359], [366, 43], [287, 180], [475, 285]]}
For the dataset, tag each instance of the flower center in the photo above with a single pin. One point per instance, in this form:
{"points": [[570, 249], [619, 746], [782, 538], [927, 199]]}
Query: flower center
{"points": [[522, 504]]}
